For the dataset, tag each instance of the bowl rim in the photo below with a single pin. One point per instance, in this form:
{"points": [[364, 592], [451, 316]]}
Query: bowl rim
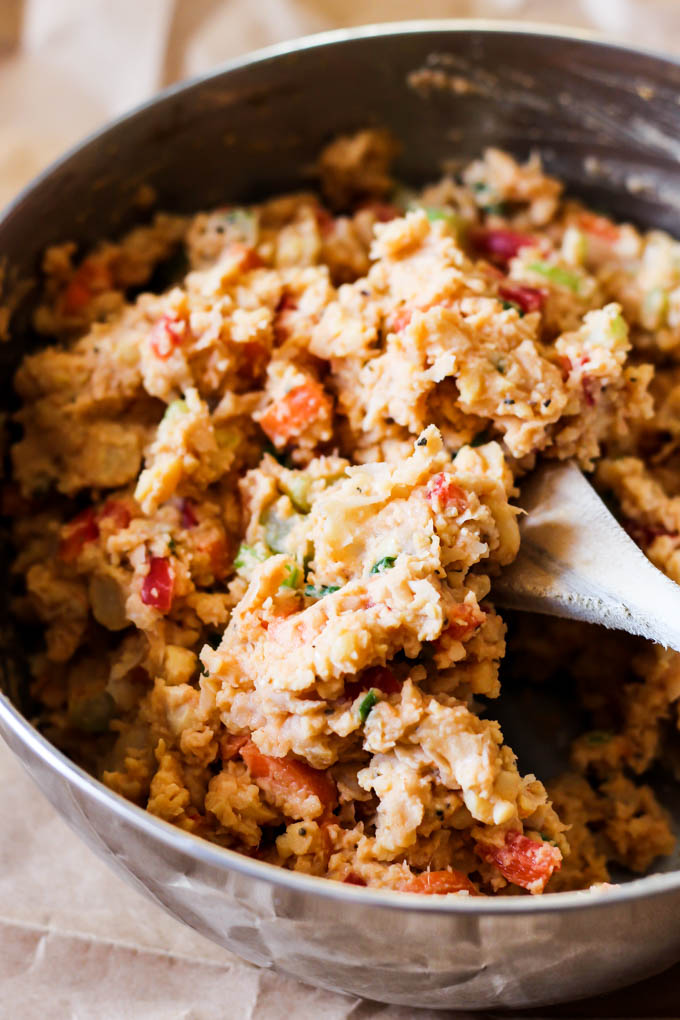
{"points": [[222, 858]]}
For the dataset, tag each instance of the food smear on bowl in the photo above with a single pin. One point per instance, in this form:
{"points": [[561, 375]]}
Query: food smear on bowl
{"points": [[258, 512]]}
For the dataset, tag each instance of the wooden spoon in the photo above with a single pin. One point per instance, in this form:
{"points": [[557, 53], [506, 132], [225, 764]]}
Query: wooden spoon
{"points": [[576, 561]]}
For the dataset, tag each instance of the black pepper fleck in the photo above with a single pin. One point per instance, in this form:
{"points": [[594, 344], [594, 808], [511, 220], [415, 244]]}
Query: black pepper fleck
{"points": [[422, 442]]}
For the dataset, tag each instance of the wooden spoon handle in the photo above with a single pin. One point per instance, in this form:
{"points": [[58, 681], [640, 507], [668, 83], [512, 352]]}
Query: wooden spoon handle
{"points": [[576, 561]]}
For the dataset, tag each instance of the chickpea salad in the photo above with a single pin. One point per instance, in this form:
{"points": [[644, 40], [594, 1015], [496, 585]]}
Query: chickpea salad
{"points": [[257, 514]]}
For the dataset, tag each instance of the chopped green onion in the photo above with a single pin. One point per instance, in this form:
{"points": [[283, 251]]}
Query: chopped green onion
{"points": [[292, 580], [367, 703], [618, 328], [507, 305], [318, 593], [557, 275], [248, 555], [384, 564]]}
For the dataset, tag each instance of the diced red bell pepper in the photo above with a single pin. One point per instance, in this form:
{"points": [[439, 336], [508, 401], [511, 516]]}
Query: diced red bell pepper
{"points": [[213, 545], [82, 529], [439, 883], [247, 257], [523, 861], [286, 305], [500, 244], [351, 878], [442, 492], [158, 585], [383, 211], [117, 512], [588, 386], [644, 534], [565, 366], [286, 779], [400, 319], [600, 226], [464, 620], [166, 335], [324, 220], [290, 415], [231, 744], [379, 677], [529, 299], [187, 516], [92, 277]]}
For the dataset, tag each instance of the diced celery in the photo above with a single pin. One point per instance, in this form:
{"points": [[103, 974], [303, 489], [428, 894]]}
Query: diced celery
{"points": [[557, 275], [297, 489], [175, 410], [277, 529], [248, 556], [292, 578], [574, 246], [654, 308]]}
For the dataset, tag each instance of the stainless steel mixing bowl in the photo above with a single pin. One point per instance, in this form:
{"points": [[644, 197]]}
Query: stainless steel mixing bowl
{"points": [[607, 120]]}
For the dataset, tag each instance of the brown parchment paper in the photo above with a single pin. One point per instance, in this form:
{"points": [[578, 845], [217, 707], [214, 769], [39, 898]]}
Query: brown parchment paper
{"points": [[75, 941]]}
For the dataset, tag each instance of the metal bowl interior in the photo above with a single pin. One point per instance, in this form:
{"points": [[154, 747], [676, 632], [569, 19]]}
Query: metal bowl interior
{"points": [[606, 120]]}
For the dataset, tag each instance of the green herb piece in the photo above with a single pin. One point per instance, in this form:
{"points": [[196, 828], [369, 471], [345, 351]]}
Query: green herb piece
{"points": [[507, 305], [482, 437], [248, 555], [499, 365], [172, 545], [367, 703], [597, 737], [292, 579], [557, 275], [384, 564], [619, 329], [479, 186], [318, 593]]}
